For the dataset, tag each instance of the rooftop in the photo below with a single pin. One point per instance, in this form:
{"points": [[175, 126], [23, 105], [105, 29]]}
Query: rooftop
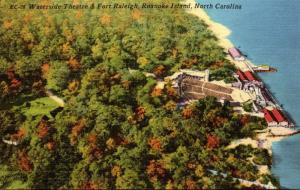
{"points": [[250, 76], [268, 116], [241, 75], [278, 115], [234, 52]]}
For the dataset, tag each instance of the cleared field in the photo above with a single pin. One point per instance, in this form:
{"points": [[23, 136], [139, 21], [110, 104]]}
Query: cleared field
{"points": [[40, 106]]}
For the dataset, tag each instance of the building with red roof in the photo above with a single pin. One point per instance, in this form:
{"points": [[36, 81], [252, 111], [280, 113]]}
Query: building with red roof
{"points": [[280, 118], [246, 76], [269, 118], [275, 118], [241, 75], [250, 76]]}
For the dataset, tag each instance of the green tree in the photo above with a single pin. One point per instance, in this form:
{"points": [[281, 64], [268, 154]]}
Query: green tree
{"points": [[58, 75]]}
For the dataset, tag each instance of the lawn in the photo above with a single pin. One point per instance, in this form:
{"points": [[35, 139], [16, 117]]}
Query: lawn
{"points": [[40, 106]]}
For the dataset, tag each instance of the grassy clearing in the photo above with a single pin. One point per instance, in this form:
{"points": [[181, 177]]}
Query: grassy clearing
{"points": [[40, 106]]}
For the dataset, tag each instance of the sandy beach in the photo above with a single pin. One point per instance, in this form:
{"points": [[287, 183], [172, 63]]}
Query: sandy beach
{"points": [[221, 32]]}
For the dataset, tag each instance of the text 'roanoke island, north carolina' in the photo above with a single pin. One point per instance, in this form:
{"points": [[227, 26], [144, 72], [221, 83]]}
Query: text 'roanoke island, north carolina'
{"points": [[66, 6]]}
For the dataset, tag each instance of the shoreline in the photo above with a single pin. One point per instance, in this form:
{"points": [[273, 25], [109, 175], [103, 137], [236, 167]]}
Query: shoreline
{"points": [[264, 138], [221, 31]]}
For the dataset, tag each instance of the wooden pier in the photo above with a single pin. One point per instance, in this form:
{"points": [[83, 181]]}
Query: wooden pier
{"points": [[285, 135], [270, 70]]}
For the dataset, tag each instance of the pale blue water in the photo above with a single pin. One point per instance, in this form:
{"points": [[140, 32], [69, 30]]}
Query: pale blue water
{"points": [[268, 31]]}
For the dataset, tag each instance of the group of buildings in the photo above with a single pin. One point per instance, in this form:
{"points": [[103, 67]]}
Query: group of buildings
{"points": [[193, 85], [263, 101]]}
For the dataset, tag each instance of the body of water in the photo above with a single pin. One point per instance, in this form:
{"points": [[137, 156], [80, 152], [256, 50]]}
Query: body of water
{"points": [[268, 32]]}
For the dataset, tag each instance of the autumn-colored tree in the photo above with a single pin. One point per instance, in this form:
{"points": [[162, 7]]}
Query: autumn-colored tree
{"points": [[74, 64], [92, 138], [140, 113], [7, 24], [159, 71], [78, 14], [116, 171], [43, 129], [19, 135], [219, 121], [89, 186], [24, 161], [50, 145], [110, 143], [73, 85], [45, 69], [155, 144], [155, 170], [156, 92], [199, 171], [136, 14], [94, 150], [15, 84], [170, 185], [105, 19], [28, 17], [212, 141], [191, 184], [66, 46], [76, 130], [187, 112], [95, 153]]}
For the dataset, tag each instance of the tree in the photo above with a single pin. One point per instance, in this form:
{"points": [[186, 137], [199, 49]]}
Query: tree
{"points": [[58, 75], [212, 141], [24, 161], [130, 180]]}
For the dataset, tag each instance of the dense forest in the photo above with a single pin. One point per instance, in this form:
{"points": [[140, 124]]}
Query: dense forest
{"points": [[116, 129]]}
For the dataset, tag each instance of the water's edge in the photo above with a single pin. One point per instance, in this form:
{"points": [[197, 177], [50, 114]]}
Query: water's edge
{"points": [[269, 34]]}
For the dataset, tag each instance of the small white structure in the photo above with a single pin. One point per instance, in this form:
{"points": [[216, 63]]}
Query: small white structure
{"points": [[10, 142]]}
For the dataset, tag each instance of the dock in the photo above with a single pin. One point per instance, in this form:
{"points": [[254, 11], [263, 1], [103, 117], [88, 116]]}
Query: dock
{"points": [[262, 69]]}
